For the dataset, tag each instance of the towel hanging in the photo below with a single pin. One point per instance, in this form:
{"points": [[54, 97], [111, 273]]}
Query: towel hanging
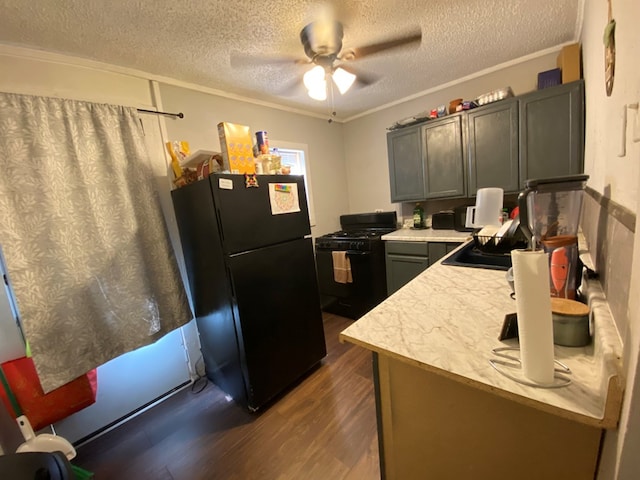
{"points": [[341, 267]]}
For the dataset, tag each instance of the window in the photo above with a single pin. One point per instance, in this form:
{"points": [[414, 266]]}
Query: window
{"points": [[296, 157]]}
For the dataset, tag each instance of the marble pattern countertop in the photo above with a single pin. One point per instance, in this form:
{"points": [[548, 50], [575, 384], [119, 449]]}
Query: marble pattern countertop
{"points": [[447, 321], [427, 235]]}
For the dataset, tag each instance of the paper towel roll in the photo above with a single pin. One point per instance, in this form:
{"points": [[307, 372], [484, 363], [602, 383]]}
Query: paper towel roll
{"points": [[533, 305]]}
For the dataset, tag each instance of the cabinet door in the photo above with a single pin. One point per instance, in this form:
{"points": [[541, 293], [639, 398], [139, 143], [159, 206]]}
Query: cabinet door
{"points": [[493, 147], [444, 157], [401, 269], [552, 132], [406, 169], [437, 250]]}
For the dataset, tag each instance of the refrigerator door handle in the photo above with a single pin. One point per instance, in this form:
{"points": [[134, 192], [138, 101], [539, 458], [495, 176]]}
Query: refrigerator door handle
{"points": [[230, 279], [219, 222]]}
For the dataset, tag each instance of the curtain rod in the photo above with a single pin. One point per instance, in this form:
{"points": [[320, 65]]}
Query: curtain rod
{"points": [[179, 115]]}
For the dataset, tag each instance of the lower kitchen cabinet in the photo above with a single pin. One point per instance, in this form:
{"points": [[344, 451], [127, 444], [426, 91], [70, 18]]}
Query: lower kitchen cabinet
{"points": [[432, 425], [406, 260]]}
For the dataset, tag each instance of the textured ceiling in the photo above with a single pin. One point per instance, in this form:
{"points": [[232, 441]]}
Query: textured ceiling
{"points": [[193, 40]]}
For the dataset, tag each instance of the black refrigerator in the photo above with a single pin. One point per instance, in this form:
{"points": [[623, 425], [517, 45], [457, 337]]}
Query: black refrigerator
{"points": [[253, 284]]}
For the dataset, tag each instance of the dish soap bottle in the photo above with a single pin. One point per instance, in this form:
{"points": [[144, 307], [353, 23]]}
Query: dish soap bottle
{"points": [[418, 216]]}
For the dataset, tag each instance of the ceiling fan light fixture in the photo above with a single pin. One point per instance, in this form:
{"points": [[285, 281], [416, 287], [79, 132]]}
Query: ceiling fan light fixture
{"points": [[319, 92], [314, 78], [343, 79]]}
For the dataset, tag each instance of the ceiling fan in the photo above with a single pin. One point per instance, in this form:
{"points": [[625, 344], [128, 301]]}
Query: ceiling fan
{"points": [[322, 42]]}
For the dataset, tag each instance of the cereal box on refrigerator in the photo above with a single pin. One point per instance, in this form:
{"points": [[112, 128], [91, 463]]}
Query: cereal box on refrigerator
{"points": [[237, 148]]}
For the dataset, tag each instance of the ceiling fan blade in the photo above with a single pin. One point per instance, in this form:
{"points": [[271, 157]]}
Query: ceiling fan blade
{"points": [[363, 79], [374, 48], [291, 87], [240, 60]]}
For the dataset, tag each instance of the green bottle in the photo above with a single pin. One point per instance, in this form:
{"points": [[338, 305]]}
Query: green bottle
{"points": [[418, 216]]}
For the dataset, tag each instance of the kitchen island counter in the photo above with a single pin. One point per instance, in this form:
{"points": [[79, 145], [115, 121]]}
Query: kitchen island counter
{"points": [[440, 330]]}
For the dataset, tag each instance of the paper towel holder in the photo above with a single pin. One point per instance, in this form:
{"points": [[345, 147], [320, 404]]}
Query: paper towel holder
{"points": [[515, 364]]}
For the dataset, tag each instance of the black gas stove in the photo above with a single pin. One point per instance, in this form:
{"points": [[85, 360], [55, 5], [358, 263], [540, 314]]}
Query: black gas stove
{"points": [[360, 241], [352, 240]]}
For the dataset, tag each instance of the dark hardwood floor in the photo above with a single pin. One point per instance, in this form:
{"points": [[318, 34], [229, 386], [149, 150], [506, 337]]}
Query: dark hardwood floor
{"points": [[323, 428]]}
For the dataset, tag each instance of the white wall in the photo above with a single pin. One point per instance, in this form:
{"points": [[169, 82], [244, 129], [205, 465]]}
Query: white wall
{"points": [[603, 133], [27, 72], [203, 112], [365, 138], [619, 179]]}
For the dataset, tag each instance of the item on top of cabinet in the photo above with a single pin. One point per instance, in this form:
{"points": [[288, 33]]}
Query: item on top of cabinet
{"points": [[237, 148], [454, 104], [494, 96], [468, 105], [412, 120], [568, 62], [418, 216], [441, 110], [549, 78]]}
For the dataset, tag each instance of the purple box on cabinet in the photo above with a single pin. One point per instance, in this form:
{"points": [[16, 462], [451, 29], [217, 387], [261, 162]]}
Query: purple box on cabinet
{"points": [[549, 78]]}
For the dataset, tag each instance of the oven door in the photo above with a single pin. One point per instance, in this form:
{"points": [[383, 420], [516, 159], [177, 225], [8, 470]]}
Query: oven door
{"points": [[353, 299]]}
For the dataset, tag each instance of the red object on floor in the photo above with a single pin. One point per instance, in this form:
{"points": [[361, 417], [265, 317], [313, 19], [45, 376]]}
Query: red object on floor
{"points": [[44, 409]]}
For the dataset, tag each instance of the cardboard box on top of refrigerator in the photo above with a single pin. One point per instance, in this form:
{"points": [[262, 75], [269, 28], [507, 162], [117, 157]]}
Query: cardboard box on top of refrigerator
{"points": [[237, 148]]}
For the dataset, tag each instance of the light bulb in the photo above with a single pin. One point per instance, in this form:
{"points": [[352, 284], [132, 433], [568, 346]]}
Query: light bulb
{"points": [[319, 92], [314, 78], [343, 79]]}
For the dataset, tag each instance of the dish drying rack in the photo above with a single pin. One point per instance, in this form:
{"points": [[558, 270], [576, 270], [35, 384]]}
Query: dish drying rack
{"points": [[490, 244]]}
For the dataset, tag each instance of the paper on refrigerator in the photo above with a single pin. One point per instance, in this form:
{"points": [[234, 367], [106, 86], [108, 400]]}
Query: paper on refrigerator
{"points": [[284, 198]]}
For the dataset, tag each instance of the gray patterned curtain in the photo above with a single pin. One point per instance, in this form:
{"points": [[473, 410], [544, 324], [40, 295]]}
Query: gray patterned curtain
{"points": [[85, 244]]}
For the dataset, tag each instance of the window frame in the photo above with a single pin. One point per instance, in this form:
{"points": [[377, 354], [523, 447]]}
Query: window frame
{"points": [[300, 147]]}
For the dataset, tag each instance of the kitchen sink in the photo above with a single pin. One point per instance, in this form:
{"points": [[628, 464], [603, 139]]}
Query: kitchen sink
{"points": [[470, 256]]}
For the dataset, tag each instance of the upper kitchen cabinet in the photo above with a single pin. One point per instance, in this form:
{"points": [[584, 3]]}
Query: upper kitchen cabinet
{"points": [[406, 168], [493, 147], [552, 132], [443, 149]]}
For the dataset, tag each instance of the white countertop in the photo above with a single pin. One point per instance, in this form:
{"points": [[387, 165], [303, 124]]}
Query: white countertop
{"points": [[447, 320], [427, 235]]}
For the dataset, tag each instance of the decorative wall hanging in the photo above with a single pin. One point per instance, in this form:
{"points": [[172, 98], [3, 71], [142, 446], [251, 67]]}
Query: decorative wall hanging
{"points": [[609, 52]]}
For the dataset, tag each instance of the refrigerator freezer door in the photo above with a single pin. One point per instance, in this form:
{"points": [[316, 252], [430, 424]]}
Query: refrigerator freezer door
{"points": [[276, 296], [245, 215], [202, 249]]}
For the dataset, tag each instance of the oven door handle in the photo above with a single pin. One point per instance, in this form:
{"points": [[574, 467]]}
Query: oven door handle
{"points": [[355, 253]]}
